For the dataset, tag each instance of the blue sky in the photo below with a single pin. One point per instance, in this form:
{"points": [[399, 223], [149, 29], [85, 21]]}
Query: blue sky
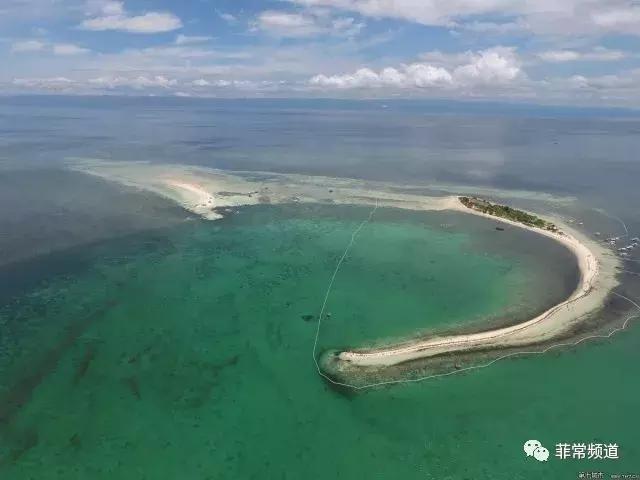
{"points": [[543, 51]]}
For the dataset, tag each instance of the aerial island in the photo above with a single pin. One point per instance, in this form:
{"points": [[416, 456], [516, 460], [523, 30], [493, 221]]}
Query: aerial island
{"points": [[597, 279], [212, 193]]}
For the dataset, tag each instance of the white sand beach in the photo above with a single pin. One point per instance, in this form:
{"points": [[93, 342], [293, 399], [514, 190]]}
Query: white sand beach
{"points": [[202, 191], [597, 278]]}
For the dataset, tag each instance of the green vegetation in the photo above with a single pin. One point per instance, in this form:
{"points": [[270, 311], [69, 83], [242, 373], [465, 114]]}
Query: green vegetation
{"points": [[504, 211]]}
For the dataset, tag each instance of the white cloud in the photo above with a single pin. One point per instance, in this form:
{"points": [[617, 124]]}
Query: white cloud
{"points": [[607, 83], [104, 8], [225, 84], [424, 76], [428, 12], [362, 78], [347, 26], [62, 84], [287, 24], [172, 54], [494, 28], [201, 82], [546, 17], [622, 19], [488, 68], [227, 17], [69, 85], [153, 22], [322, 60], [159, 84], [598, 54], [495, 66], [28, 46], [417, 80], [306, 24], [40, 46], [111, 15], [139, 82], [68, 49], [559, 56], [190, 40]]}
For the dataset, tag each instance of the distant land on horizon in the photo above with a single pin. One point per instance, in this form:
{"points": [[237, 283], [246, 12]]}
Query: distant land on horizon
{"points": [[467, 106]]}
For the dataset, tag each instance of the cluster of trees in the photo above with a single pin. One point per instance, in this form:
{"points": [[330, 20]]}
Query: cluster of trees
{"points": [[507, 212]]}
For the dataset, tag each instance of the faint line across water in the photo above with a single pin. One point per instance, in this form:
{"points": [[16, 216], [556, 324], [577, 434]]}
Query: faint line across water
{"points": [[333, 277]]}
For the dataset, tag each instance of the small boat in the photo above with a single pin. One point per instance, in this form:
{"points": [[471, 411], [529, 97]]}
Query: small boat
{"points": [[500, 229]]}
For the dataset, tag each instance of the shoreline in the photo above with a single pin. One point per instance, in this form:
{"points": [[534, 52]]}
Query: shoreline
{"points": [[203, 191], [551, 323]]}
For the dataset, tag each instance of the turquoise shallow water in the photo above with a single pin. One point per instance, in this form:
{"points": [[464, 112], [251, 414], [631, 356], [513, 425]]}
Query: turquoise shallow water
{"points": [[184, 354]]}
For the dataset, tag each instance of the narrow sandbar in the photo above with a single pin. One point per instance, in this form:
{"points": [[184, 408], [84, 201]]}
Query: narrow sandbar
{"points": [[597, 279]]}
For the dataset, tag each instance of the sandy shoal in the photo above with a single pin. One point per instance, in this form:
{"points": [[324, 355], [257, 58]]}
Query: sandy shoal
{"points": [[204, 191]]}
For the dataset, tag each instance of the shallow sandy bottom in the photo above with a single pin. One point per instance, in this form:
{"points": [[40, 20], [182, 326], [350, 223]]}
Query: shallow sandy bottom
{"points": [[208, 192]]}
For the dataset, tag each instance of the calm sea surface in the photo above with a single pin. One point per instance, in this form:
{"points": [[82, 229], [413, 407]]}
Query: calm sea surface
{"points": [[137, 341]]}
